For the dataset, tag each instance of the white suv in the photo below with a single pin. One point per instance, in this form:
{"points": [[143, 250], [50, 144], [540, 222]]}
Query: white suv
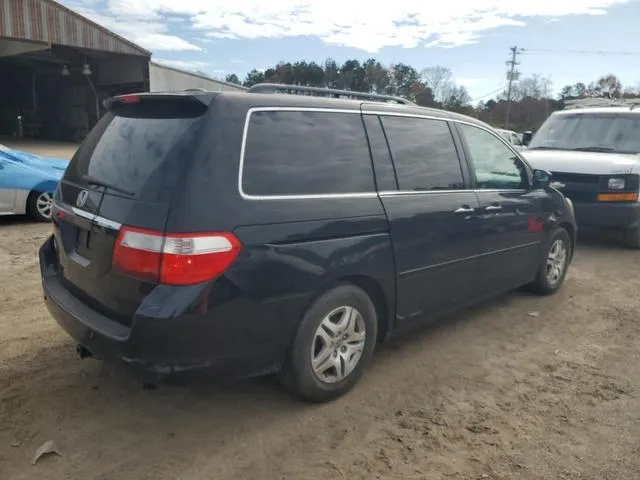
{"points": [[592, 148]]}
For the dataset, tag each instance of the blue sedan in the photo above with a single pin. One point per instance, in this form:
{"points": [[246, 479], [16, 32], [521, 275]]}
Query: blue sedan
{"points": [[28, 182]]}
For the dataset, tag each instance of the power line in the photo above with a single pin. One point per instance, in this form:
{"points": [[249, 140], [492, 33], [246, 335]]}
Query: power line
{"points": [[500, 89], [579, 52]]}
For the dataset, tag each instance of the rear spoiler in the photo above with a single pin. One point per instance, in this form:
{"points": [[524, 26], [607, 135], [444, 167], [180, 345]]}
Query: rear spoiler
{"points": [[188, 97]]}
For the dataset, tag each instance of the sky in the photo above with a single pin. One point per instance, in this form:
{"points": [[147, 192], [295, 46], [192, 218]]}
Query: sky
{"points": [[566, 40]]}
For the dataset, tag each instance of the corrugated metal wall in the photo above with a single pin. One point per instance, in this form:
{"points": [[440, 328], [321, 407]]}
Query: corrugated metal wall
{"points": [[163, 79], [48, 22]]}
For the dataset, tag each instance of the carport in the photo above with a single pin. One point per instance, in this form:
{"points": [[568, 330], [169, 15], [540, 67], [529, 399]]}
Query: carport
{"points": [[56, 68]]}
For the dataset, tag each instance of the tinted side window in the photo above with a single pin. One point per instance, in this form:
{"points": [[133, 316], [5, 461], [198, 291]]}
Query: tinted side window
{"points": [[424, 154], [496, 166], [306, 153]]}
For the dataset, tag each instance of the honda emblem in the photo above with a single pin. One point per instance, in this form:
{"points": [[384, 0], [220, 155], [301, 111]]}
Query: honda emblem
{"points": [[82, 198]]}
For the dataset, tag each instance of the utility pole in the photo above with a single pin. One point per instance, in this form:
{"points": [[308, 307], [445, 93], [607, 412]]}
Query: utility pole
{"points": [[512, 75]]}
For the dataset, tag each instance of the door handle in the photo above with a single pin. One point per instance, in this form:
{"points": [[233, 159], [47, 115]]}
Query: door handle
{"points": [[464, 209], [493, 208]]}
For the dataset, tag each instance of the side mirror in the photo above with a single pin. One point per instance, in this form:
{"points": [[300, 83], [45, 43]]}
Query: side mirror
{"points": [[541, 179], [526, 138]]}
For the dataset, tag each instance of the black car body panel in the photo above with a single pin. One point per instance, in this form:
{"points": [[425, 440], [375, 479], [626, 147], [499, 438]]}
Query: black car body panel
{"points": [[416, 252]]}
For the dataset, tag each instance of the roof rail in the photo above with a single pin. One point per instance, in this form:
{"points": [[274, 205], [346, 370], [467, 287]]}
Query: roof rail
{"points": [[196, 89], [601, 102], [327, 92]]}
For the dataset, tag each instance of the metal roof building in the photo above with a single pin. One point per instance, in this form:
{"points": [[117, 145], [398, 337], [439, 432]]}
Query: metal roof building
{"points": [[48, 22], [56, 68]]}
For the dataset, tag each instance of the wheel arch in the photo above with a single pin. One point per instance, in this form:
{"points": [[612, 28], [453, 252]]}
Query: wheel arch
{"points": [[375, 292], [29, 196], [571, 230], [373, 289], [45, 186]]}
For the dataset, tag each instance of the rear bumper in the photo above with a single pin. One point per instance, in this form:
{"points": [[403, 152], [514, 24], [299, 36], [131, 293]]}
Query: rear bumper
{"points": [[228, 342], [612, 216]]}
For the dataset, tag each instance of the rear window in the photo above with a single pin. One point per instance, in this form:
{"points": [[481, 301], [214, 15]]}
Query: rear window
{"points": [[306, 153], [140, 155]]}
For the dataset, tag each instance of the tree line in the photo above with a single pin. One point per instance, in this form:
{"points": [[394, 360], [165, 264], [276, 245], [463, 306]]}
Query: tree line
{"points": [[532, 97]]}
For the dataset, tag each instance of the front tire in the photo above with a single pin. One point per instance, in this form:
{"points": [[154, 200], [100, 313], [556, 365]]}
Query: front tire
{"points": [[332, 346], [554, 264], [39, 206]]}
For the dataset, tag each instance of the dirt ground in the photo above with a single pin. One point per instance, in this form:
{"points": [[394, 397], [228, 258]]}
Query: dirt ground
{"points": [[40, 147], [522, 388]]}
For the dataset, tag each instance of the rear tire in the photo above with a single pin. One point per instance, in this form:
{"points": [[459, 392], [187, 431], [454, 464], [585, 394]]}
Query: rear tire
{"points": [[553, 264], [632, 238], [333, 344], [39, 205]]}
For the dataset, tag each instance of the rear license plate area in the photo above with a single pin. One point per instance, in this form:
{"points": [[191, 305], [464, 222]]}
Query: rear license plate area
{"points": [[83, 242]]}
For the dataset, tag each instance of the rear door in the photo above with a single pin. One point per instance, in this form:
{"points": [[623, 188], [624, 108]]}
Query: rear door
{"points": [[513, 214], [432, 215], [125, 173]]}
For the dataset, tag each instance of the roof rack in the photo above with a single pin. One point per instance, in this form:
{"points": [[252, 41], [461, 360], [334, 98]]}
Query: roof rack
{"points": [[327, 92], [601, 102]]}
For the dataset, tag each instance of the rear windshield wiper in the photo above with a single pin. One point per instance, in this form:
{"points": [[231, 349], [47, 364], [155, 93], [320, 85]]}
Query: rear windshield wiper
{"points": [[100, 183]]}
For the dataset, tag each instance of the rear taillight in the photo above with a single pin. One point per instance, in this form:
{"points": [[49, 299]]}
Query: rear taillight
{"points": [[173, 258]]}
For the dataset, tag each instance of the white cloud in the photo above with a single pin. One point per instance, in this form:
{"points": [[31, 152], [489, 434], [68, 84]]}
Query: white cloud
{"points": [[150, 31], [470, 82], [358, 24]]}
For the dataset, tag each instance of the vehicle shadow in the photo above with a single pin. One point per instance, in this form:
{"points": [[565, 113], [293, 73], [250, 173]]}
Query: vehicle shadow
{"points": [[606, 239], [9, 220]]}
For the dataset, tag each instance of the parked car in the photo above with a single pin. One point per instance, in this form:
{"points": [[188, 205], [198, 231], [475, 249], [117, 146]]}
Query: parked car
{"points": [[512, 137], [243, 234], [593, 154], [27, 183]]}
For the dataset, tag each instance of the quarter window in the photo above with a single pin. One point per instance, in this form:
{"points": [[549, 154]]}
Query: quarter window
{"points": [[306, 153], [424, 154], [496, 166]]}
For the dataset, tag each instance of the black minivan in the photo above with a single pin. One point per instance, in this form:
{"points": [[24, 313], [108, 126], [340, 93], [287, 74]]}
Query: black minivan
{"points": [[244, 234]]}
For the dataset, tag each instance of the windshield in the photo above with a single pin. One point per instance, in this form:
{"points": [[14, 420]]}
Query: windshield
{"points": [[600, 132]]}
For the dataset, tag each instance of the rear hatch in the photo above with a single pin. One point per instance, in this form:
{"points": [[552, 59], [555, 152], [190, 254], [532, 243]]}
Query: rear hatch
{"points": [[125, 173]]}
